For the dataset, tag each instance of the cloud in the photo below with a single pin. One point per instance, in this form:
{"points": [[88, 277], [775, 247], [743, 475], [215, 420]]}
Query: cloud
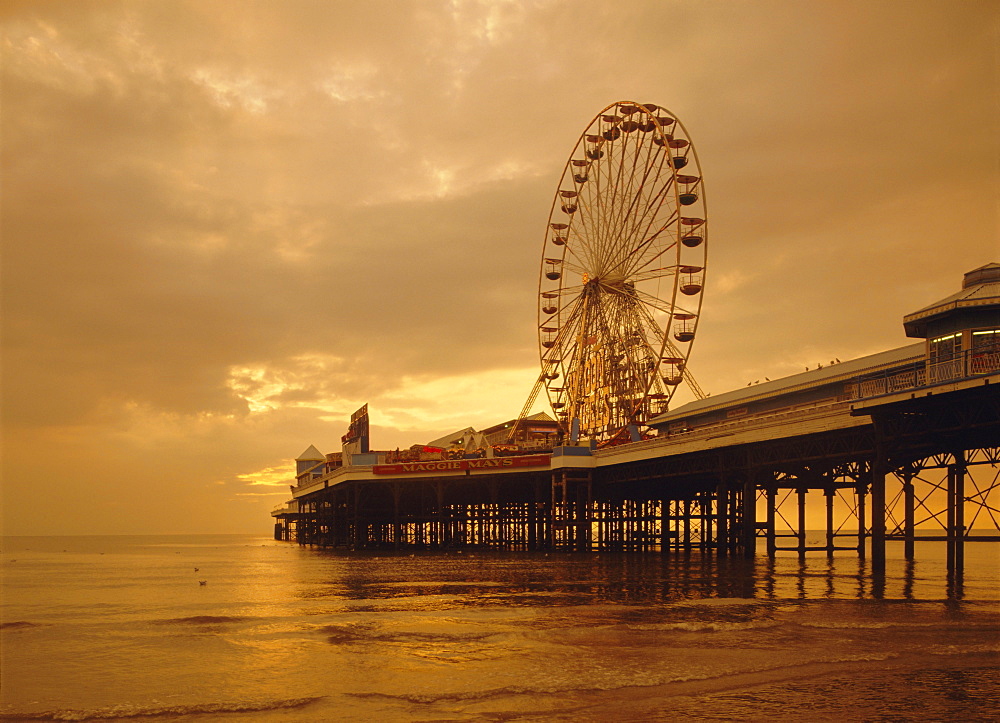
{"points": [[227, 225]]}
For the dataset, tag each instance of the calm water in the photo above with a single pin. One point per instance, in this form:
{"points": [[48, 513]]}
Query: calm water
{"points": [[120, 628]]}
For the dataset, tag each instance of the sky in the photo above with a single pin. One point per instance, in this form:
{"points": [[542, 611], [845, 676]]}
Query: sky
{"points": [[227, 225]]}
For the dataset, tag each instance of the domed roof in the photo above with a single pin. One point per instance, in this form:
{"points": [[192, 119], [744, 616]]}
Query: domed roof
{"points": [[980, 288]]}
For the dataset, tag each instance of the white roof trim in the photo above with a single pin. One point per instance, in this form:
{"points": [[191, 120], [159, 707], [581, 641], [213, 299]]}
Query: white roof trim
{"points": [[804, 380]]}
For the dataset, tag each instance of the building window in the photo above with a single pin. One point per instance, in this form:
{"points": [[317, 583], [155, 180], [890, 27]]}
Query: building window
{"points": [[945, 348], [985, 351], [987, 340]]}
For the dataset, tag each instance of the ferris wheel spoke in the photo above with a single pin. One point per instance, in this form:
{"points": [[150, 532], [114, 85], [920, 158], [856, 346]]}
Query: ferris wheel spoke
{"points": [[661, 305], [646, 202], [655, 273], [634, 191], [625, 185], [576, 265], [570, 291], [636, 252], [649, 192], [613, 187], [583, 246], [651, 249], [595, 219], [650, 272], [652, 213]]}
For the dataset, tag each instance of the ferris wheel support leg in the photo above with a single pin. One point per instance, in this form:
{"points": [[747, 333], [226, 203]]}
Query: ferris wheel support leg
{"points": [[526, 409]]}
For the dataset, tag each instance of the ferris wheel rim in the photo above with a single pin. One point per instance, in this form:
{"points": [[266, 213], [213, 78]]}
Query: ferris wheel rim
{"points": [[619, 119]]}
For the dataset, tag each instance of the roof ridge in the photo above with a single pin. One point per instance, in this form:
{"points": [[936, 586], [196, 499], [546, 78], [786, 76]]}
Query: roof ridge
{"points": [[316, 455]]}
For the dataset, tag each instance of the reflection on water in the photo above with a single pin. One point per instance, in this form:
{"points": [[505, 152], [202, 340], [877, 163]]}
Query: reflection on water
{"points": [[533, 578]]}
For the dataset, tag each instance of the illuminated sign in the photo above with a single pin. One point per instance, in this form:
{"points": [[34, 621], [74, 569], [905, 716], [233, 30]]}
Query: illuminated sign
{"points": [[457, 465]]}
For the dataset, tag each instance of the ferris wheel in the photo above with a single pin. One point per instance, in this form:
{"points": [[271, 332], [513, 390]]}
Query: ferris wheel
{"points": [[622, 273]]}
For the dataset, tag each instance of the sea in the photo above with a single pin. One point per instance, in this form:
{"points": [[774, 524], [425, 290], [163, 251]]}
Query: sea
{"points": [[246, 628]]}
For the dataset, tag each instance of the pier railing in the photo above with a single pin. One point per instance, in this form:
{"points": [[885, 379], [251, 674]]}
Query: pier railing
{"points": [[967, 365], [833, 408]]}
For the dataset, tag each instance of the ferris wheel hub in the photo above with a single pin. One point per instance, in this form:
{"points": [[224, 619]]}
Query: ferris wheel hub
{"points": [[613, 280]]}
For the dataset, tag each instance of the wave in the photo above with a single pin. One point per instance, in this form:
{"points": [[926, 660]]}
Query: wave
{"points": [[347, 634], [480, 695], [883, 624], [724, 602], [120, 712], [706, 627], [201, 620], [18, 625], [639, 681], [987, 648]]}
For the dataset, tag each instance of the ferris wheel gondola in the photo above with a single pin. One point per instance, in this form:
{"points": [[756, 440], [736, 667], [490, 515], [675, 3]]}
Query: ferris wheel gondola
{"points": [[622, 273]]}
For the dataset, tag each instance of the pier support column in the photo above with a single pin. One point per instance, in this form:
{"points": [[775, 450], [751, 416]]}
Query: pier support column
{"points": [[772, 505], [909, 507], [830, 493], [686, 524], [861, 493], [441, 526], [397, 527], [581, 509], [705, 500], [749, 503], [878, 520], [956, 513], [722, 519], [557, 510], [879, 470], [535, 534], [801, 532], [357, 540]]}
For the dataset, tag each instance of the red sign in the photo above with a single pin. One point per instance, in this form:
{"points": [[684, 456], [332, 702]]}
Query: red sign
{"points": [[457, 465]]}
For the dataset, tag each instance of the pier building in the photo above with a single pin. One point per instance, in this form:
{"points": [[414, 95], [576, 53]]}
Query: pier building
{"points": [[899, 445]]}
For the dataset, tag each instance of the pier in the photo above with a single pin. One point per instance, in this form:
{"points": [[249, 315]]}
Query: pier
{"points": [[903, 445]]}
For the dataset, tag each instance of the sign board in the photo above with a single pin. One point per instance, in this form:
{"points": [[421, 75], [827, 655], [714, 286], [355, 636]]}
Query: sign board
{"points": [[457, 465], [356, 439]]}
